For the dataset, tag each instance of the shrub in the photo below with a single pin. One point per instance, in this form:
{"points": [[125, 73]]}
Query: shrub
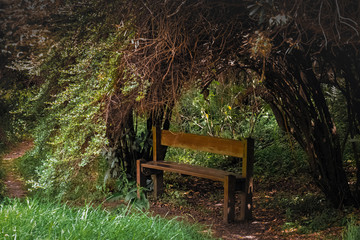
{"points": [[70, 133], [2, 178]]}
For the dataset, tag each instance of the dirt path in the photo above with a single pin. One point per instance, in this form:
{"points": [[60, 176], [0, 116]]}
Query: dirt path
{"points": [[201, 205], [14, 185]]}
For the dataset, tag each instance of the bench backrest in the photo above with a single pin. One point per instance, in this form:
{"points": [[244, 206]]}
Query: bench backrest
{"points": [[243, 149]]}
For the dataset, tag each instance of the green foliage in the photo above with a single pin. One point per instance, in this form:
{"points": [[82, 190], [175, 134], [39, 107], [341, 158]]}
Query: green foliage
{"points": [[2, 178], [221, 114], [70, 134], [34, 219], [277, 154], [127, 190], [14, 91], [14, 125], [352, 231], [215, 112], [67, 107], [201, 158], [218, 113]]}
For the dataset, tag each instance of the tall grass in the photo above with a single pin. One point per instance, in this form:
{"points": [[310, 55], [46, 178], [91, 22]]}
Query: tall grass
{"points": [[352, 231], [2, 173], [2, 178], [34, 219]]}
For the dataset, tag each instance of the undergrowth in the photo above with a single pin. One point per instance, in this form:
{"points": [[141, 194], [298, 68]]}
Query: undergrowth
{"points": [[352, 231], [303, 213], [35, 219], [219, 113], [2, 179], [128, 191], [70, 135]]}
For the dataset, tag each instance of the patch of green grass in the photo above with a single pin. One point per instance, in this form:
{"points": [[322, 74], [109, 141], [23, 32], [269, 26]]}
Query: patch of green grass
{"points": [[2, 177], [2, 172], [33, 219], [352, 231]]}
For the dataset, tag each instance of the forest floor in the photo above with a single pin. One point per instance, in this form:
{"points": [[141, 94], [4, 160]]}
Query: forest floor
{"points": [[201, 203], [15, 186]]}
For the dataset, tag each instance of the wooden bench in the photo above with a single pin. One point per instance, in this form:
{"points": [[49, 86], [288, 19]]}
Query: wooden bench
{"points": [[243, 182]]}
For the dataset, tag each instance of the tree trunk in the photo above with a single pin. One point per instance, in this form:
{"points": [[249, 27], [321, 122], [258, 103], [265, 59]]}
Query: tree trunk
{"points": [[133, 143], [298, 102]]}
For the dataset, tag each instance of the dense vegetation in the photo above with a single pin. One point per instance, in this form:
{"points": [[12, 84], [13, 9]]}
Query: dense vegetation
{"points": [[87, 80]]}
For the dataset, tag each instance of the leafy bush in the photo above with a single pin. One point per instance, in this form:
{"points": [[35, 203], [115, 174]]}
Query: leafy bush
{"points": [[127, 190], [70, 133], [216, 113], [14, 125], [277, 155]]}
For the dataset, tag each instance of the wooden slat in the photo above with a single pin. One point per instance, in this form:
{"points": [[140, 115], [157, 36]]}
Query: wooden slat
{"points": [[197, 171], [203, 143]]}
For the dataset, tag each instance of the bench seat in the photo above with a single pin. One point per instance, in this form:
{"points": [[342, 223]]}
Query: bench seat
{"points": [[192, 170]]}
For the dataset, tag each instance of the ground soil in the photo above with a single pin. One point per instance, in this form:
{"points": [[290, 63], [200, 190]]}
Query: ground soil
{"points": [[201, 205], [199, 201], [15, 187]]}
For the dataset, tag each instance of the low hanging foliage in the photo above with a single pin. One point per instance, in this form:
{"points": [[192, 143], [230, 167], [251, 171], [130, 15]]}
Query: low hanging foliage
{"points": [[71, 134]]}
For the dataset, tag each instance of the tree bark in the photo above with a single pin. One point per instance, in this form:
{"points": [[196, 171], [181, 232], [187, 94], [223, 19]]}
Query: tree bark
{"points": [[300, 107]]}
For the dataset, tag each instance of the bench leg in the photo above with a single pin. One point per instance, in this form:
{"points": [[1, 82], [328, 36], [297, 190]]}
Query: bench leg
{"points": [[246, 205], [249, 203], [140, 177], [242, 206], [158, 184], [229, 198]]}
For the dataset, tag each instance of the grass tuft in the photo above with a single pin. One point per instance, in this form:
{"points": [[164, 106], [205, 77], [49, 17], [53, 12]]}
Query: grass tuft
{"points": [[352, 231]]}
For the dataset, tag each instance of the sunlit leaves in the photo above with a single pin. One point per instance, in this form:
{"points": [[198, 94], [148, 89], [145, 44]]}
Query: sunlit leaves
{"points": [[75, 94]]}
